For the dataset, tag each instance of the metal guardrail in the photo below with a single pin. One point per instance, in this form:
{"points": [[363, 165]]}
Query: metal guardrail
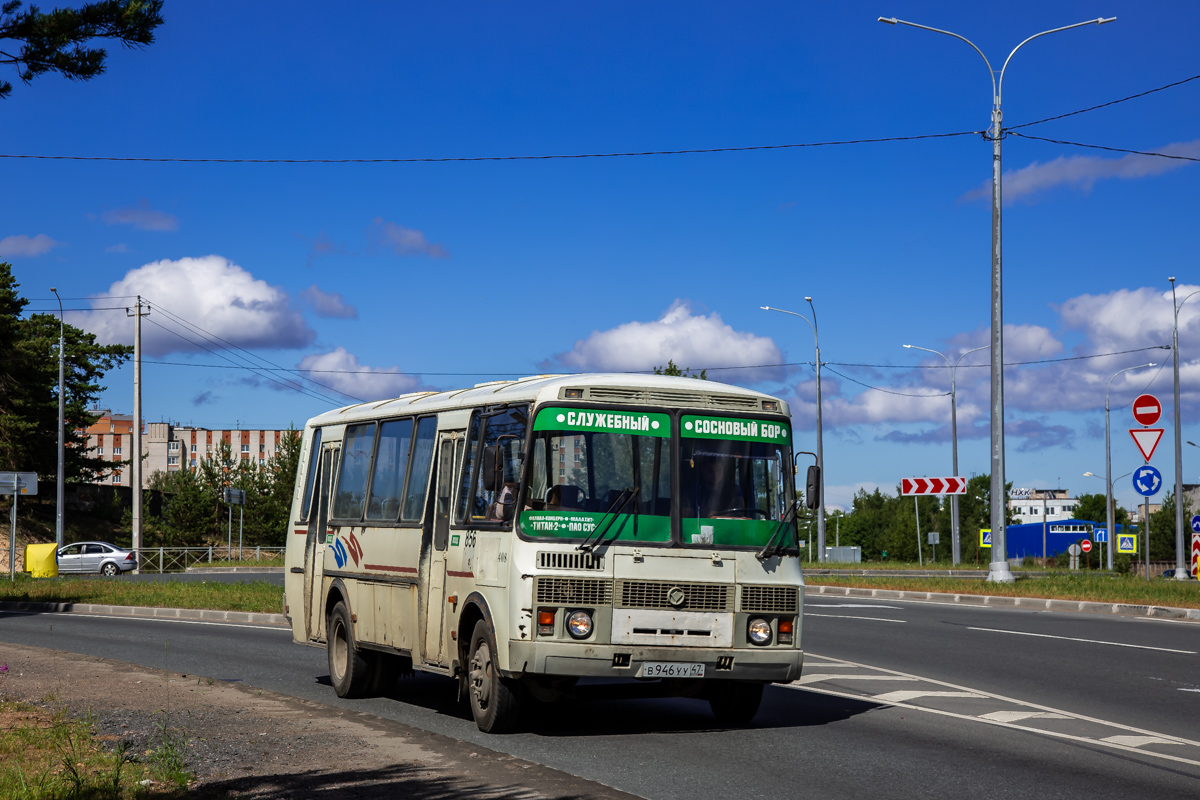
{"points": [[178, 559]]}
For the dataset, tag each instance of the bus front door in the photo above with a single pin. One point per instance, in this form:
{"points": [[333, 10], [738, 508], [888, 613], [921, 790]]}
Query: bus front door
{"points": [[318, 536], [449, 450]]}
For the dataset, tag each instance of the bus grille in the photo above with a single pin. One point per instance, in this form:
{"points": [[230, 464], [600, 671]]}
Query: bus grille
{"points": [[573, 591], [550, 560], [770, 599], [667, 397], [697, 596]]}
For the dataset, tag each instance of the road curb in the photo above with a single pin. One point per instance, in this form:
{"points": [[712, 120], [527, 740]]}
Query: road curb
{"points": [[1041, 603], [199, 614]]}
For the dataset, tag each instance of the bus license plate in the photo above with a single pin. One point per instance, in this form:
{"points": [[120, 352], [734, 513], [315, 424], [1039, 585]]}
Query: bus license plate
{"points": [[667, 669]]}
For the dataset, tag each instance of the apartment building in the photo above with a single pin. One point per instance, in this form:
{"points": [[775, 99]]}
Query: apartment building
{"points": [[168, 447], [1029, 505]]}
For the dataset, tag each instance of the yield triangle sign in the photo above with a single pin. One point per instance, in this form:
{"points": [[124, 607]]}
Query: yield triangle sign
{"points": [[1146, 439]]}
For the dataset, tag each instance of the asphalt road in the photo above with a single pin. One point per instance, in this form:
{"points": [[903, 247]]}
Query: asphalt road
{"points": [[898, 699]]}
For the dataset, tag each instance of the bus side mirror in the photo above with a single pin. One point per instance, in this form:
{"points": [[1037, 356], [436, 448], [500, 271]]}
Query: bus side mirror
{"points": [[493, 475], [812, 487]]}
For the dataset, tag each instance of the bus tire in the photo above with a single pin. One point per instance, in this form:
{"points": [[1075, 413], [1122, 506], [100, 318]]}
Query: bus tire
{"points": [[349, 670], [735, 702], [495, 701]]}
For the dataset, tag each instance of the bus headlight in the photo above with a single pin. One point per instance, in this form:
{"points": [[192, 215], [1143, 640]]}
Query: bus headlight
{"points": [[579, 624], [759, 631]]}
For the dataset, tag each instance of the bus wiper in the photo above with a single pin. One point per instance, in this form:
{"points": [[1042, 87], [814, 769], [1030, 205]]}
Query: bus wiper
{"points": [[619, 502], [770, 548]]}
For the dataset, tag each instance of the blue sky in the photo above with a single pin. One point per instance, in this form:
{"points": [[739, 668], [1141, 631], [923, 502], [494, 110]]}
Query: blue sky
{"points": [[620, 263]]}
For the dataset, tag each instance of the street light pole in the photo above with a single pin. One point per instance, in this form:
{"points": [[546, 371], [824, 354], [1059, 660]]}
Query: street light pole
{"points": [[820, 447], [1108, 455], [998, 569], [1181, 574], [955, 548], [61, 489], [1111, 533]]}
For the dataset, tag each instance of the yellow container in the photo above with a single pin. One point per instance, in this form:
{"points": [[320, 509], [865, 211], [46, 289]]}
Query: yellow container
{"points": [[40, 559]]}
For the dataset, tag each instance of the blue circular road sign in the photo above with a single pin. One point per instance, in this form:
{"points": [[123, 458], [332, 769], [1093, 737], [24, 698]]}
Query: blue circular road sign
{"points": [[1147, 481], [1196, 524]]}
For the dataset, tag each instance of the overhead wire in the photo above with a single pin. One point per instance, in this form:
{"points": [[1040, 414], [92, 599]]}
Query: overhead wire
{"points": [[1105, 147], [1103, 105], [447, 159], [248, 355]]}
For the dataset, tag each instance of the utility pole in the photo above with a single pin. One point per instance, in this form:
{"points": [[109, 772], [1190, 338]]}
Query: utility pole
{"points": [[61, 489], [1181, 573], [138, 311]]}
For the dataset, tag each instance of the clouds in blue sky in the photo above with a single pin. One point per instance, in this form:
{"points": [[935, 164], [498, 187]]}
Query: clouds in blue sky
{"points": [[22, 246], [330, 305], [401, 241], [141, 217], [1083, 172], [341, 370]]}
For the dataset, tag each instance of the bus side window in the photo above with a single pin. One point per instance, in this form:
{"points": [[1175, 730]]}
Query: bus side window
{"points": [[391, 464], [418, 479], [352, 478], [314, 453], [503, 440], [462, 516]]}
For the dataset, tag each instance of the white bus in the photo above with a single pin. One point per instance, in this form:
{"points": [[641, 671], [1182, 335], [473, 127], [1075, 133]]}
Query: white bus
{"points": [[521, 535]]}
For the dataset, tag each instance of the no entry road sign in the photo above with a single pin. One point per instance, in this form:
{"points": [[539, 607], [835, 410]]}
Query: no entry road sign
{"points": [[1146, 440], [1147, 409], [933, 486], [1086, 546]]}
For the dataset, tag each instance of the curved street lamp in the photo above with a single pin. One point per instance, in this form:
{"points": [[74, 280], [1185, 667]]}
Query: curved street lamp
{"points": [[1108, 454], [1181, 573], [956, 548], [998, 570], [1111, 533], [820, 449]]}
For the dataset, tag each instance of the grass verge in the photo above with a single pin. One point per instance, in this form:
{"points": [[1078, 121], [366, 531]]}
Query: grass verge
{"points": [[258, 596], [1093, 588], [248, 563], [47, 755]]}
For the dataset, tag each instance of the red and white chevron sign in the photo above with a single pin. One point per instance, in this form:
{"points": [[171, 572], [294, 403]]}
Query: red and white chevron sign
{"points": [[933, 486]]}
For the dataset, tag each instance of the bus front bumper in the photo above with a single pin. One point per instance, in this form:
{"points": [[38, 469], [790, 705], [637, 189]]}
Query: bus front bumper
{"points": [[775, 664]]}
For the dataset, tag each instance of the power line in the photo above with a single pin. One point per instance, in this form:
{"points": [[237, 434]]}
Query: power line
{"points": [[286, 385], [1104, 105], [887, 391], [1103, 147], [212, 337], [1006, 363], [690, 151]]}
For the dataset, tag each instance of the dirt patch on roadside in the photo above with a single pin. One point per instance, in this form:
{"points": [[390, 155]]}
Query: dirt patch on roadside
{"points": [[246, 742]]}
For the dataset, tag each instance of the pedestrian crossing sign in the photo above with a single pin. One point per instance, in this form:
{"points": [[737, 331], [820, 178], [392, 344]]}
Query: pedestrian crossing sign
{"points": [[985, 537], [1127, 543]]}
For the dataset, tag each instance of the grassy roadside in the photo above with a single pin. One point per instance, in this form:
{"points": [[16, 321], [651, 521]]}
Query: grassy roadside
{"points": [[45, 755], [247, 563], [259, 596], [928, 565], [1094, 588]]}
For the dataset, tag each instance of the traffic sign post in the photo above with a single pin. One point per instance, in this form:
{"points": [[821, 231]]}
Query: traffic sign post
{"points": [[1074, 550], [1127, 542], [235, 497], [1147, 481], [1146, 440], [1086, 547], [1100, 535], [16, 484]]}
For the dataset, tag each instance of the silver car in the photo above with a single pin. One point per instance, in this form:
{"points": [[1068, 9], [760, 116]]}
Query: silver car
{"points": [[94, 557]]}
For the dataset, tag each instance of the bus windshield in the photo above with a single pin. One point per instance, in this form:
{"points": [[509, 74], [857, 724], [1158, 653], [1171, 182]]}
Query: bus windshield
{"points": [[735, 480], [585, 466]]}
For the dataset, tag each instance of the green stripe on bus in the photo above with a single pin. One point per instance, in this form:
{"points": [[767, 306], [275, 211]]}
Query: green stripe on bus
{"points": [[740, 430], [582, 524], [638, 423]]}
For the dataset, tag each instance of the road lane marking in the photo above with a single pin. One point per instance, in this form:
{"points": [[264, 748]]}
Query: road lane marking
{"points": [[1137, 741], [1017, 716], [1182, 690], [848, 605], [1089, 641], [1013, 726], [130, 618], [807, 679], [848, 616], [905, 696], [994, 696]]}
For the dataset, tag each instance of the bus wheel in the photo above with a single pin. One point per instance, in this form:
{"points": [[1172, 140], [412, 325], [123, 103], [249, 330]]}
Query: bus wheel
{"points": [[495, 701], [735, 702], [349, 671]]}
